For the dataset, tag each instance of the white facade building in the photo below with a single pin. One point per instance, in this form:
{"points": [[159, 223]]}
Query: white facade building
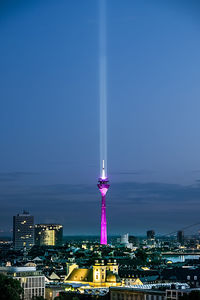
{"points": [[31, 280]]}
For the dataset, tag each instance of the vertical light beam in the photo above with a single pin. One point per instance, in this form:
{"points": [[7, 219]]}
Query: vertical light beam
{"points": [[103, 183], [102, 84]]}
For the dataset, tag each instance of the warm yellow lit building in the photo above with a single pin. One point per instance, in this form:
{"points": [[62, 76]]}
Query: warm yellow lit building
{"points": [[70, 266], [48, 234], [100, 275]]}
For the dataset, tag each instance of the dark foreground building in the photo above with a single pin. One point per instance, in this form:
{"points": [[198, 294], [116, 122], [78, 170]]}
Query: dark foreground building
{"points": [[85, 296], [189, 275], [124, 293]]}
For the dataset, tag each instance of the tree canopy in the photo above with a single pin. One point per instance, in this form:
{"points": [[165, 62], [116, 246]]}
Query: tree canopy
{"points": [[10, 289]]}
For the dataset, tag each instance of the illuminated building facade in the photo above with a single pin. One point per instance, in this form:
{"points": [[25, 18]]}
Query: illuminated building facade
{"points": [[70, 266], [23, 231], [103, 188], [48, 234], [32, 281], [101, 275]]}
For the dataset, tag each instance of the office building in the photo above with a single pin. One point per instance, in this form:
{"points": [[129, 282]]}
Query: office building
{"points": [[180, 237], [48, 234], [23, 231], [134, 240], [31, 280], [124, 239], [150, 235]]}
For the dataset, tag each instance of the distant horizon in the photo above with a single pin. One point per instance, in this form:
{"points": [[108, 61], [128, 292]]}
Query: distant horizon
{"points": [[111, 235]]}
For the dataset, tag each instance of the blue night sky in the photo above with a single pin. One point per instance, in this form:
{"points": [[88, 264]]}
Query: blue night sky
{"points": [[49, 113]]}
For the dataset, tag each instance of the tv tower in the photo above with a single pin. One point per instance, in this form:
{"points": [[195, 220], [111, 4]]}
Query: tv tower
{"points": [[103, 188]]}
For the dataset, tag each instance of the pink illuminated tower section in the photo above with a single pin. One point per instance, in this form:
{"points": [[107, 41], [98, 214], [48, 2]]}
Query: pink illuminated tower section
{"points": [[103, 188]]}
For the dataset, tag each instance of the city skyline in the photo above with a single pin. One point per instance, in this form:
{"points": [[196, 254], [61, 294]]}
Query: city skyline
{"points": [[50, 114]]}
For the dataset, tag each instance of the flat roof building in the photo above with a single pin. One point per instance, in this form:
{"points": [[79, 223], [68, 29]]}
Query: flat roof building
{"points": [[126, 293], [31, 280], [48, 234]]}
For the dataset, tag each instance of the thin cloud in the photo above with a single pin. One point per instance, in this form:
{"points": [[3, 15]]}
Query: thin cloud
{"points": [[132, 172], [14, 176], [130, 204]]}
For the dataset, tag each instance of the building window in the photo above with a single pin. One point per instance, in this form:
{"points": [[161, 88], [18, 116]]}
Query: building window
{"points": [[195, 277], [188, 277], [97, 277], [173, 294]]}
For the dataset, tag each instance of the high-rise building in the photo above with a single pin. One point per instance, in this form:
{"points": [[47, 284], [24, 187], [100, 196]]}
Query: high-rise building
{"points": [[150, 235], [48, 234], [180, 237], [23, 231], [103, 188], [124, 239], [134, 240]]}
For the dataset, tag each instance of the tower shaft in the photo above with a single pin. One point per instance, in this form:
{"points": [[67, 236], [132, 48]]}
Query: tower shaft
{"points": [[103, 222], [103, 188]]}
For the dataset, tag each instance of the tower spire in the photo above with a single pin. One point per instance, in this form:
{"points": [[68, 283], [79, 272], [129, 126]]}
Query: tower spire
{"points": [[103, 171]]}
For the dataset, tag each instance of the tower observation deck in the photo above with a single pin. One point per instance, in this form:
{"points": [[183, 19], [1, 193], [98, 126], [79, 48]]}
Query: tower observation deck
{"points": [[103, 186]]}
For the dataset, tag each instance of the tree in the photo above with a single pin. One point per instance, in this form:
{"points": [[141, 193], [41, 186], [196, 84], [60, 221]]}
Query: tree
{"points": [[10, 289], [141, 256], [36, 251]]}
